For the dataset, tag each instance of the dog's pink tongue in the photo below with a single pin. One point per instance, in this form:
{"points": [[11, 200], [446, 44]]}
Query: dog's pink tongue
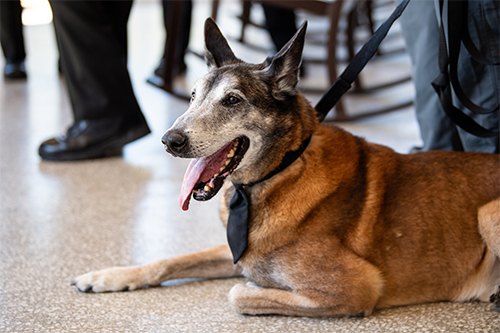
{"points": [[201, 169], [193, 173]]}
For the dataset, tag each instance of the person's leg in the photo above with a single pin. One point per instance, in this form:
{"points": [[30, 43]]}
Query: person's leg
{"points": [[481, 83], [182, 42], [12, 39], [92, 40], [420, 30], [280, 22]]}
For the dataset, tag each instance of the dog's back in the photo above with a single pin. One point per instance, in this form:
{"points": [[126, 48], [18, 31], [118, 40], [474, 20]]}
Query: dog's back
{"points": [[419, 222], [414, 217]]}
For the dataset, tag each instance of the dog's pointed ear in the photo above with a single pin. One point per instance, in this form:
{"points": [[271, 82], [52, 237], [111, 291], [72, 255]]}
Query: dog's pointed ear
{"points": [[217, 50], [284, 66]]}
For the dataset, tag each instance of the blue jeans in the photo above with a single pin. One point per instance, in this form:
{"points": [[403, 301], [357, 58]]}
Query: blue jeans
{"points": [[481, 83]]}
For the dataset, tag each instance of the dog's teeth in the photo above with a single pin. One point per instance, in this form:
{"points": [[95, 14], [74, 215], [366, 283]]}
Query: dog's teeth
{"points": [[206, 188], [221, 169], [227, 162], [231, 153], [216, 175]]}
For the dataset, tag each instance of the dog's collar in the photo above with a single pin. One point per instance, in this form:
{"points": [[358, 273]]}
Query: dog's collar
{"points": [[239, 207], [288, 159]]}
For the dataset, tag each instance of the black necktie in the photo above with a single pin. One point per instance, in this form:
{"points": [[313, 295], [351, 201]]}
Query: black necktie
{"points": [[237, 223]]}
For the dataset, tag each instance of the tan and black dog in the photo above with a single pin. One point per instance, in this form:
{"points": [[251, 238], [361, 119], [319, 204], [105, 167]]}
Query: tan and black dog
{"points": [[349, 227]]}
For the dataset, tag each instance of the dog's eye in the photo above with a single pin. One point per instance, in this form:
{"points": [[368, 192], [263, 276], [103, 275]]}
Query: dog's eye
{"points": [[231, 100], [193, 95]]}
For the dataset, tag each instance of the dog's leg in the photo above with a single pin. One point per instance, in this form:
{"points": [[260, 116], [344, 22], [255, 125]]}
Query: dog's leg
{"points": [[216, 262], [254, 300], [495, 299], [489, 225]]}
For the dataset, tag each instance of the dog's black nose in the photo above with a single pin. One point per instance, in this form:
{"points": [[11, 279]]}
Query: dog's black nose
{"points": [[174, 141]]}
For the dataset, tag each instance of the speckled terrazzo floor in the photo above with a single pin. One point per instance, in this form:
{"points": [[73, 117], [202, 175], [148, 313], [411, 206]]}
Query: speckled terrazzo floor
{"points": [[59, 220]]}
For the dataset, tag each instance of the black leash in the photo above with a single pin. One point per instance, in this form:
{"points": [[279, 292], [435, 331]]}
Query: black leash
{"points": [[237, 224], [345, 80]]}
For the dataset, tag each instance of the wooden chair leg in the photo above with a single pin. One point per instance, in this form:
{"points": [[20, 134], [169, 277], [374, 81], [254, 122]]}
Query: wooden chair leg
{"points": [[334, 15], [215, 9]]}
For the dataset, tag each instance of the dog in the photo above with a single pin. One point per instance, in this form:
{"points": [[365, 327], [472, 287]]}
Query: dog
{"points": [[348, 227]]}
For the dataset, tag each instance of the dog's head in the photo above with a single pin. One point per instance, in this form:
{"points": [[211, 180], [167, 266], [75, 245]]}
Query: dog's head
{"points": [[241, 119]]}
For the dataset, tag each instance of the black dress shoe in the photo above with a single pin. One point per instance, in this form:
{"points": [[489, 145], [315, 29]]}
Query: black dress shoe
{"points": [[177, 70], [92, 138], [157, 79], [15, 70]]}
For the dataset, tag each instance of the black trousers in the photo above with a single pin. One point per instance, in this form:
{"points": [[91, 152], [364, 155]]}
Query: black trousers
{"points": [[280, 22], [92, 40], [11, 31], [183, 40]]}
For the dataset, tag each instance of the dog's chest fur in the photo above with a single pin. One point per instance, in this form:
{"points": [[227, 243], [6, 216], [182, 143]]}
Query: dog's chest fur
{"points": [[284, 235]]}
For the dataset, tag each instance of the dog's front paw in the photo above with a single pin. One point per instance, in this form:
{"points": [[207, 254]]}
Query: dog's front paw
{"points": [[235, 297], [249, 299], [110, 279]]}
